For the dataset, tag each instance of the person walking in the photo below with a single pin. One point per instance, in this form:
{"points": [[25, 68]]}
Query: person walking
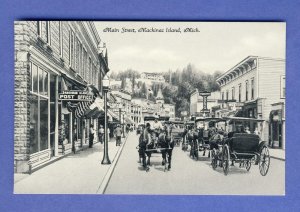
{"points": [[118, 133], [101, 134], [91, 137]]}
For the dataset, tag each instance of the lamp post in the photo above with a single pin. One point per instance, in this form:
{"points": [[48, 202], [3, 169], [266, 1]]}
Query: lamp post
{"points": [[123, 124], [105, 83], [120, 110]]}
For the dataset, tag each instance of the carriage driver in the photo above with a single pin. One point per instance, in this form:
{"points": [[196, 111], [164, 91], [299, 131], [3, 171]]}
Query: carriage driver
{"points": [[157, 128]]}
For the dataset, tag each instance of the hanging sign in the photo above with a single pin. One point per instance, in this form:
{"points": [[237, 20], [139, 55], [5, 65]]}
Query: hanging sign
{"points": [[77, 96]]}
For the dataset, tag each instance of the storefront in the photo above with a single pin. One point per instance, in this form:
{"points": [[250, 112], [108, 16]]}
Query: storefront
{"points": [[55, 129], [277, 126]]}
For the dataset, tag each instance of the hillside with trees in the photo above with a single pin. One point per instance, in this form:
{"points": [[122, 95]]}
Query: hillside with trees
{"points": [[178, 87]]}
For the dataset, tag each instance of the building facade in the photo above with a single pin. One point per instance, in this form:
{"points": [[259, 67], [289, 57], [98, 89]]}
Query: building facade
{"points": [[257, 83], [51, 57]]}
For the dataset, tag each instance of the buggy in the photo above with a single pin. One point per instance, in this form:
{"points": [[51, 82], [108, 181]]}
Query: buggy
{"points": [[241, 147]]}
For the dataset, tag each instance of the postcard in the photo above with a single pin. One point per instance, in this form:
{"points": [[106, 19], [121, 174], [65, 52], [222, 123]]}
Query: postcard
{"points": [[173, 108]]}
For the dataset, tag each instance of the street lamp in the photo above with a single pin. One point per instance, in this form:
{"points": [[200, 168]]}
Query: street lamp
{"points": [[123, 124], [120, 110], [105, 83]]}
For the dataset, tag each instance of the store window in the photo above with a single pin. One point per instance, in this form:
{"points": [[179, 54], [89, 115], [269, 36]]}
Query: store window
{"points": [[39, 110]]}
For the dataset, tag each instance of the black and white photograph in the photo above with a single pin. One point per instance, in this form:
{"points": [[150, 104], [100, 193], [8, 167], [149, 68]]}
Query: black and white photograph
{"points": [[149, 107]]}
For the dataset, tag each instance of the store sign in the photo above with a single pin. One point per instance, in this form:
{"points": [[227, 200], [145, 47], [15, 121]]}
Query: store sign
{"points": [[78, 96]]}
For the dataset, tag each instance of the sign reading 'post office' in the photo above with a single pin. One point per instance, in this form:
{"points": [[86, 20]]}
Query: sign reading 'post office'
{"points": [[75, 96]]}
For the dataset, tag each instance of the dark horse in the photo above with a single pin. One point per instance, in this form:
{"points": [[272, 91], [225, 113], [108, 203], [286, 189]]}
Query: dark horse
{"points": [[163, 144]]}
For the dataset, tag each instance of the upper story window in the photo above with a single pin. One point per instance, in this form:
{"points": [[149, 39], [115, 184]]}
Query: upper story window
{"points": [[233, 93], [282, 87], [240, 92], [61, 52], [246, 87], [43, 31], [222, 95], [252, 88], [227, 95]]}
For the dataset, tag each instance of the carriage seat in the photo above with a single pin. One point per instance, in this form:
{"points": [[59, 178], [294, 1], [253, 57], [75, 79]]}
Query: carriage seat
{"points": [[244, 143]]}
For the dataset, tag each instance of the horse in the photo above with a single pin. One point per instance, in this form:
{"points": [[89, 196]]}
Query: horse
{"points": [[167, 144], [162, 141]]}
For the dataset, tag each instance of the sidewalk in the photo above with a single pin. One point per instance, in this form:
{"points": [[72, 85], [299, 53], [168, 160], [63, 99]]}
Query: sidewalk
{"points": [[80, 173], [277, 154]]}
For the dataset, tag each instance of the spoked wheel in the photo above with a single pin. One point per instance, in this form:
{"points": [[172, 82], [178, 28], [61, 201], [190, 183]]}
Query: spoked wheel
{"points": [[264, 161], [248, 165], [196, 151], [225, 159], [214, 159]]}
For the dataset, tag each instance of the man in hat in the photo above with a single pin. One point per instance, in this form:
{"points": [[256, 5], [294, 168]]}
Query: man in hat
{"points": [[156, 127], [118, 133]]}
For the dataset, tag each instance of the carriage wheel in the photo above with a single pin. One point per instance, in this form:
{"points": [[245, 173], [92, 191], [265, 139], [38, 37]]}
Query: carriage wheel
{"points": [[196, 151], [214, 159], [225, 159], [248, 165], [264, 161]]}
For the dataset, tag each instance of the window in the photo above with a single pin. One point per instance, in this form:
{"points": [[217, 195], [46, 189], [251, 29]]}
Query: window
{"points": [[246, 87], [39, 105], [282, 87], [43, 30], [89, 70], [222, 95], [240, 92], [252, 88], [227, 94], [71, 47], [60, 39], [233, 93]]}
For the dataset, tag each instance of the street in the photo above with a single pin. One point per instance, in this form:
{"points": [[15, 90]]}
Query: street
{"points": [[188, 176]]}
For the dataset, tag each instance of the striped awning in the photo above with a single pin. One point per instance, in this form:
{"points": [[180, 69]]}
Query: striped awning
{"points": [[83, 107]]}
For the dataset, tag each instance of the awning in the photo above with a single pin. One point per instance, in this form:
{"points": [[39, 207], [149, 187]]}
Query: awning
{"points": [[128, 120], [96, 109], [113, 115], [83, 107]]}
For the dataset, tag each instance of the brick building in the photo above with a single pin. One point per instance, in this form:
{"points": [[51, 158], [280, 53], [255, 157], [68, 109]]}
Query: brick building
{"points": [[50, 57]]}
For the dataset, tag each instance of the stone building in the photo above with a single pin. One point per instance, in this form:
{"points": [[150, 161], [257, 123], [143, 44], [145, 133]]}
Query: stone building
{"points": [[52, 57]]}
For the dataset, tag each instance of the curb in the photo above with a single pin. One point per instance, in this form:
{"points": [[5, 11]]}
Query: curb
{"points": [[106, 179], [277, 158]]}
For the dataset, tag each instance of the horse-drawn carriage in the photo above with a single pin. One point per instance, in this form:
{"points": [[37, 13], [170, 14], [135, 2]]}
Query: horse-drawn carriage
{"points": [[206, 129], [152, 141], [178, 128], [185, 143], [240, 147]]}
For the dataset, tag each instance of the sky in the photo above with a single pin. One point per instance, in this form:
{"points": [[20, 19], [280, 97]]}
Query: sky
{"points": [[216, 46]]}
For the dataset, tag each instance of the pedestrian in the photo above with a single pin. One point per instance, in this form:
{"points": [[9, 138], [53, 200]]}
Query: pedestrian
{"points": [[101, 134], [118, 133], [91, 137], [108, 132]]}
